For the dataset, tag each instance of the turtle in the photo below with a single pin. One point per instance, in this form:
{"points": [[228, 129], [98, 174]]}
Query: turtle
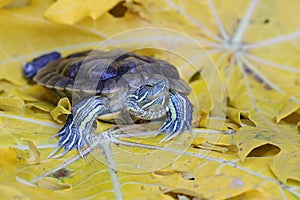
{"points": [[115, 81]]}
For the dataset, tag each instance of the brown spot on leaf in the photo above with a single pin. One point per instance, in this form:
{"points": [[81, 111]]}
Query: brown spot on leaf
{"points": [[119, 10], [63, 173], [266, 21]]}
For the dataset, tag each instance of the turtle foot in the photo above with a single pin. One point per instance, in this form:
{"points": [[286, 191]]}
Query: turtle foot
{"points": [[76, 132], [179, 116], [70, 137], [174, 128]]}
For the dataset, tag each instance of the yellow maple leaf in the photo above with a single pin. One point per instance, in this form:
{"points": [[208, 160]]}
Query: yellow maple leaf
{"points": [[249, 42], [71, 11]]}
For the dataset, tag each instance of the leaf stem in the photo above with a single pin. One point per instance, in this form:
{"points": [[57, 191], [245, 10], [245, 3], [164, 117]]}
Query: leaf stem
{"points": [[238, 37], [260, 75], [198, 56], [273, 41], [272, 64], [194, 21], [34, 121], [112, 168], [218, 20]]}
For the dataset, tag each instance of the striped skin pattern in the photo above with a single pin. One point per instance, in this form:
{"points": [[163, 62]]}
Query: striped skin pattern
{"points": [[78, 126], [179, 116], [149, 100]]}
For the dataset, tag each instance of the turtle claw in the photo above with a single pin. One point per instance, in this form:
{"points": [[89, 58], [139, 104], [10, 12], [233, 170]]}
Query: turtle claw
{"points": [[70, 138], [169, 137], [52, 154], [60, 133], [173, 129], [79, 147]]}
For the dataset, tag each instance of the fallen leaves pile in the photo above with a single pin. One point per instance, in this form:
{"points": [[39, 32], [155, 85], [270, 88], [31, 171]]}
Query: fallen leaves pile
{"points": [[255, 154]]}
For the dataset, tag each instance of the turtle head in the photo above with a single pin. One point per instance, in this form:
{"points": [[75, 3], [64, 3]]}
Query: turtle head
{"points": [[148, 101]]}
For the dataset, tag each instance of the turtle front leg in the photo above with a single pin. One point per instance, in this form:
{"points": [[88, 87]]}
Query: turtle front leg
{"points": [[78, 126], [179, 116]]}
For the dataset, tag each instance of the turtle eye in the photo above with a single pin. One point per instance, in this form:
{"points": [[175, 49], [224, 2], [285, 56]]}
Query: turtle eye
{"points": [[149, 86]]}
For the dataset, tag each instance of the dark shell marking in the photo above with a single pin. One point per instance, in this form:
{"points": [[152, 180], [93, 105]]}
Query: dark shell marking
{"points": [[105, 68], [31, 68]]}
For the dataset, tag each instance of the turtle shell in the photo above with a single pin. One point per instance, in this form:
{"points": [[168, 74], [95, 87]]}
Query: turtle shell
{"points": [[101, 72]]}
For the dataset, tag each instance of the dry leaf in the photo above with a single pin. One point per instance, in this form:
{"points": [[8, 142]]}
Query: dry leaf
{"points": [[34, 153], [71, 11], [63, 107]]}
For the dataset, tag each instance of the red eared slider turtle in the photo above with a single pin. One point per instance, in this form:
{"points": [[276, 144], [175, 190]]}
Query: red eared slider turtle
{"points": [[142, 86]]}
